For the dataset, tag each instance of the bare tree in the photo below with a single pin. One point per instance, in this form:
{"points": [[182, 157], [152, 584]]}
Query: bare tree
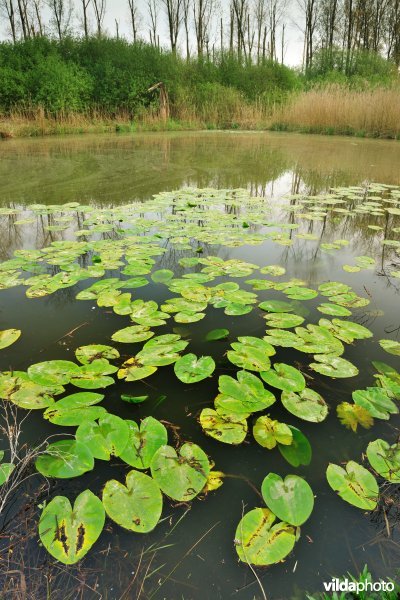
{"points": [[276, 13], [310, 9], [393, 32], [260, 16], [24, 18], [202, 12], [7, 8], [99, 12], [186, 24], [38, 19], [153, 13], [174, 17], [134, 15], [85, 6], [61, 14]]}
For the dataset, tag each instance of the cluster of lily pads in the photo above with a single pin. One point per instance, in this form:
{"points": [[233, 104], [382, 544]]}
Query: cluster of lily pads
{"points": [[134, 244]]}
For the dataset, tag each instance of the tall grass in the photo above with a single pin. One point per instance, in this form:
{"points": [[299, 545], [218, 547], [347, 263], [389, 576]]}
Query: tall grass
{"points": [[339, 110]]}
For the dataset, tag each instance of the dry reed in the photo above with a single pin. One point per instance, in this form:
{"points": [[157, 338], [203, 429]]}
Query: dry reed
{"points": [[369, 113]]}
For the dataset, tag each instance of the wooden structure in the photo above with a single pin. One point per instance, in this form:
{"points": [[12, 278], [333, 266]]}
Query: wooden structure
{"points": [[164, 99]]}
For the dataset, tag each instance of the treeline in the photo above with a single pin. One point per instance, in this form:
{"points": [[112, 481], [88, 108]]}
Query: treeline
{"points": [[252, 30], [112, 76]]}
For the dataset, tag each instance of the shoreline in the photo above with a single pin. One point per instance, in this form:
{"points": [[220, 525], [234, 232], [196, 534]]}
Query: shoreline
{"points": [[32, 128]]}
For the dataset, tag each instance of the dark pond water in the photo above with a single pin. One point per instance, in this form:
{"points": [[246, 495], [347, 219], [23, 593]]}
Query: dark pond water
{"points": [[190, 555]]}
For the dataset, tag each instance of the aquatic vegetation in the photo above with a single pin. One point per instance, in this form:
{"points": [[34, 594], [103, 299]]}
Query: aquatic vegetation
{"points": [[274, 353], [354, 484], [69, 533]]}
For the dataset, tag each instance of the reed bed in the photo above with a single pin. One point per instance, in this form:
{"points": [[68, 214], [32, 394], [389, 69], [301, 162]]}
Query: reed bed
{"points": [[339, 110]]}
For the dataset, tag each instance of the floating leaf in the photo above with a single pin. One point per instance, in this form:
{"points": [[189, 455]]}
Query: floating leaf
{"points": [[333, 366], [183, 475], [284, 377], [276, 306], [355, 484], [384, 459], [283, 320], [376, 402], [143, 442], [307, 405], [251, 353], [65, 459], [268, 433], [107, 437], [226, 428], [94, 375], [333, 309], [137, 506], [299, 451], [217, 334], [75, 409], [259, 542], [352, 415], [162, 275], [291, 499], [133, 399], [133, 334], [390, 346], [8, 337], [53, 372], [68, 533], [190, 369], [87, 354], [244, 395], [5, 470]]}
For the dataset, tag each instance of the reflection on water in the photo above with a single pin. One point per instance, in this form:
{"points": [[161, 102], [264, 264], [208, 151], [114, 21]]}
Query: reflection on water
{"points": [[122, 168], [194, 558]]}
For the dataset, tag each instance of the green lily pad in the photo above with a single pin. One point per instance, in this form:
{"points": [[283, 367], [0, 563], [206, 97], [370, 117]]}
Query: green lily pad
{"points": [[259, 542], [190, 369], [281, 337], [355, 484], [384, 459], [274, 270], [307, 405], [284, 377], [65, 459], [251, 353], [353, 415], [143, 442], [162, 276], [283, 320], [376, 401], [183, 475], [106, 438], [5, 470], [390, 346], [136, 506], [133, 334], [8, 337], [268, 433], [75, 409], [53, 372], [333, 309], [87, 354], [68, 533], [217, 334], [226, 428], [333, 366], [299, 451], [244, 395], [95, 374], [291, 499], [276, 306]]}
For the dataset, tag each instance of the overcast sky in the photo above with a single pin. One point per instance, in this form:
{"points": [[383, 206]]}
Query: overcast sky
{"points": [[118, 9]]}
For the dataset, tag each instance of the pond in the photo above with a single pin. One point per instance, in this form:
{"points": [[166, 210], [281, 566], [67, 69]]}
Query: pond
{"points": [[258, 234]]}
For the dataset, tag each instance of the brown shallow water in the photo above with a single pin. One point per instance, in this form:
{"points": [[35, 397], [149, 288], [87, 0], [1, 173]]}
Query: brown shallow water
{"points": [[196, 559]]}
